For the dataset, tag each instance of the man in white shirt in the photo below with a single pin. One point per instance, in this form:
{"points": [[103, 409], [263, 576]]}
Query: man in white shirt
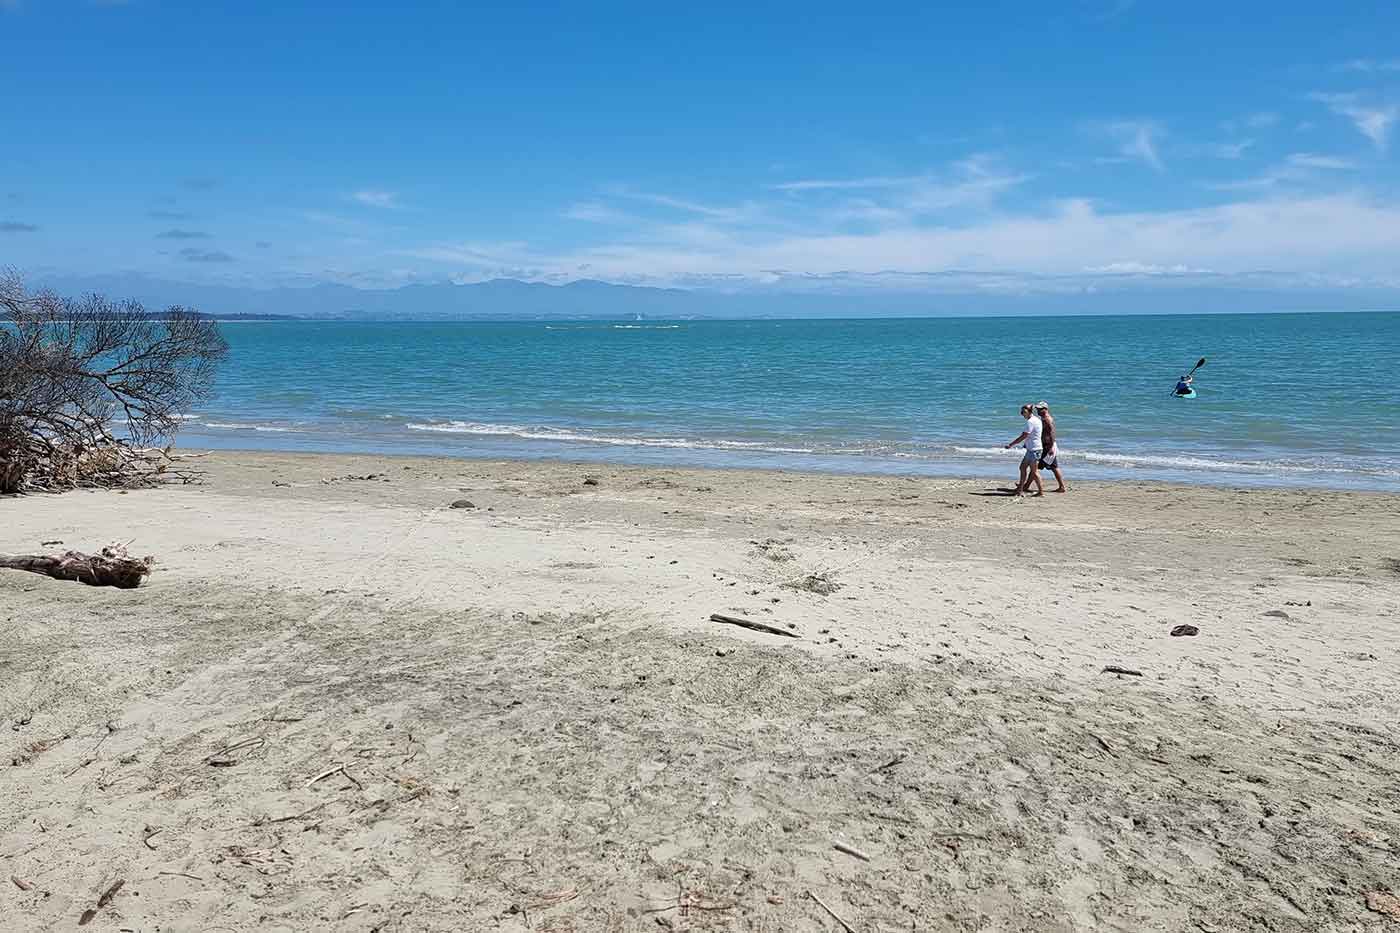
{"points": [[1030, 461]]}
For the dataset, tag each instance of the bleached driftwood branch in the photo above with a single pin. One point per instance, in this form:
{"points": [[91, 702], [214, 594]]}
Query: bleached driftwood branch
{"points": [[112, 567]]}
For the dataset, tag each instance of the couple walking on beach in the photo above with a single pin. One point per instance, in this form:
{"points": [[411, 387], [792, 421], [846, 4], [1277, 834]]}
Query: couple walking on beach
{"points": [[1041, 450]]}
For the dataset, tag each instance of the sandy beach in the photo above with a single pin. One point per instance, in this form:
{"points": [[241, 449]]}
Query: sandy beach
{"points": [[341, 703]]}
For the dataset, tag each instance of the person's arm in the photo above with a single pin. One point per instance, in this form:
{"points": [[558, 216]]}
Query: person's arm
{"points": [[1019, 438]]}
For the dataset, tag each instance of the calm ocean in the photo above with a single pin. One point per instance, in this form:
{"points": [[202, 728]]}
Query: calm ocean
{"points": [[1300, 399]]}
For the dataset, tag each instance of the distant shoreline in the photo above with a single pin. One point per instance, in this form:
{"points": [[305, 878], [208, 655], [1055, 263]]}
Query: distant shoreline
{"points": [[1144, 315]]}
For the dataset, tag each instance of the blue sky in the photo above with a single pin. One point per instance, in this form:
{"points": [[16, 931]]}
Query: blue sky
{"points": [[1006, 147]]}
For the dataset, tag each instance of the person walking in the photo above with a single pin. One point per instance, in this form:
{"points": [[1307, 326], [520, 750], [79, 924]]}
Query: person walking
{"points": [[1050, 456], [1030, 460]]}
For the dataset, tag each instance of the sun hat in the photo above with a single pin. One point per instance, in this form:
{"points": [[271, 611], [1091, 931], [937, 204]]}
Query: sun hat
{"points": [[1041, 405]]}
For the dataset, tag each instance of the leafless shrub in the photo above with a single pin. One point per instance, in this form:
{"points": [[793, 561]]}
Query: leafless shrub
{"points": [[69, 368]]}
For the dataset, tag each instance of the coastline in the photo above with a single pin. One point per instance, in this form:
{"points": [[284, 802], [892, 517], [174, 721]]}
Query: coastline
{"points": [[538, 726], [504, 443]]}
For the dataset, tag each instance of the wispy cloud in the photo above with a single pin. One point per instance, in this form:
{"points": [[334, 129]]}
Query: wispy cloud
{"points": [[191, 254], [201, 183], [598, 213], [1298, 169], [1233, 150], [976, 181], [1370, 65], [182, 235], [170, 215], [1313, 160], [1371, 120], [372, 198], [851, 184], [13, 226], [1137, 140], [1070, 242], [687, 206]]}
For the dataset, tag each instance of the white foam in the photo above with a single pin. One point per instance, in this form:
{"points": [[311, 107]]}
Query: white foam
{"points": [[542, 433], [241, 426], [988, 451]]}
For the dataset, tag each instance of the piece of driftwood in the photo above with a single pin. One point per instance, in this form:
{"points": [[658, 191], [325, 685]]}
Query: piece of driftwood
{"points": [[851, 851], [750, 624], [112, 567], [834, 915], [110, 893], [1115, 669]]}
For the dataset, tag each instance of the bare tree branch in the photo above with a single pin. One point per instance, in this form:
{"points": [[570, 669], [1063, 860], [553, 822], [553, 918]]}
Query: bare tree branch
{"points": [[69, 366]]}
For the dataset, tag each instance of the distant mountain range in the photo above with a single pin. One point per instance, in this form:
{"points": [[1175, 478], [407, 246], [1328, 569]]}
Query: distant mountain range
{"points": [[509, 299]]}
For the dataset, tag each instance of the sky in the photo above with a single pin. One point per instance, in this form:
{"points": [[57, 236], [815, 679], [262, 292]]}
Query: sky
{"points": [[1000, 148]]}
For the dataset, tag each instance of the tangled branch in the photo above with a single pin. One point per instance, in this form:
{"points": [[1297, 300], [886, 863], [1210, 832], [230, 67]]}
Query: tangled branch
{"points": [[71, 369]]}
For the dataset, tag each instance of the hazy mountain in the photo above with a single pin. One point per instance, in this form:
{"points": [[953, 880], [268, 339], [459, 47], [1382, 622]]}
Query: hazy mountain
{"points": [[508, 299]]}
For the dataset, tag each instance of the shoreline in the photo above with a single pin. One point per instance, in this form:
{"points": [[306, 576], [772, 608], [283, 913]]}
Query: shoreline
{"points": [[963, 467], [340, 701], [254, 454]]}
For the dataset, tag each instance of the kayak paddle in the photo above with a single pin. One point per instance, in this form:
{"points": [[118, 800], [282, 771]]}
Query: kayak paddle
{"points": [[1198, 365]]}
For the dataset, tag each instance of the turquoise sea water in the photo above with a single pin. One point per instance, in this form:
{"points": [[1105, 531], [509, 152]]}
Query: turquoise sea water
{"points": [[1300, 399]]}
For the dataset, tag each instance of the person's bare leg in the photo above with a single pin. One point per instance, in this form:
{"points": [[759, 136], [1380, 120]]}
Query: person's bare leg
{"points": [[1059, 478], [1035, 478], [1021, 482]]}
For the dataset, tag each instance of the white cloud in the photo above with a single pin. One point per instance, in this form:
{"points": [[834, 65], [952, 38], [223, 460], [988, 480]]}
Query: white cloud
{"points": [[1235, 150], [1299, 168], [1234, 242], [1140, 268], [1372, 121], [371, 198], [1370, 65], [850, 184], [685, 206], [973, 182], [1137, 141], [598, 213], [1313, 160]]}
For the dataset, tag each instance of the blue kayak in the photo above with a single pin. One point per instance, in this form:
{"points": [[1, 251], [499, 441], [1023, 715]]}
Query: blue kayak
{"points": [[1189, 393]]}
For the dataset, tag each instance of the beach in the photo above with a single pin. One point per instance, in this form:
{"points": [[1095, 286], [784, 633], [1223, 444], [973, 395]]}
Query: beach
{"points": [[341, 702]]}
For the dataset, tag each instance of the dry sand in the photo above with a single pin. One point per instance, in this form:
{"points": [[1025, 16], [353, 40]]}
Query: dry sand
{"points": [[340, 703]]}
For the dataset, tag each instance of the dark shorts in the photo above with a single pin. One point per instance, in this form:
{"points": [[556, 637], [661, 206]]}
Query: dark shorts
{"points": [[1050, 461]]}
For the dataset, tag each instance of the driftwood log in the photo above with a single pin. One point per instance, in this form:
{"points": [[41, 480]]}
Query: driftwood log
{"points": [[110, 568], [751, 624]]}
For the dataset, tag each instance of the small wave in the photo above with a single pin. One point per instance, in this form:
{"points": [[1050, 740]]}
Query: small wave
{"points": [[1181, 463], [242, 426], [646, 327], [987, 451], [539, 433], [1192, 464]]}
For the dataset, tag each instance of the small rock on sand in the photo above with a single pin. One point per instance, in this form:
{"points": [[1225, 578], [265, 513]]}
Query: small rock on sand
{"points": [[1186, 630], [463, 504], [592, 481], [1279, 614]]}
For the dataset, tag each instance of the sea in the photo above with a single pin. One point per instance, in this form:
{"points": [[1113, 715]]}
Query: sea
{"points": [[1284, 399]]}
